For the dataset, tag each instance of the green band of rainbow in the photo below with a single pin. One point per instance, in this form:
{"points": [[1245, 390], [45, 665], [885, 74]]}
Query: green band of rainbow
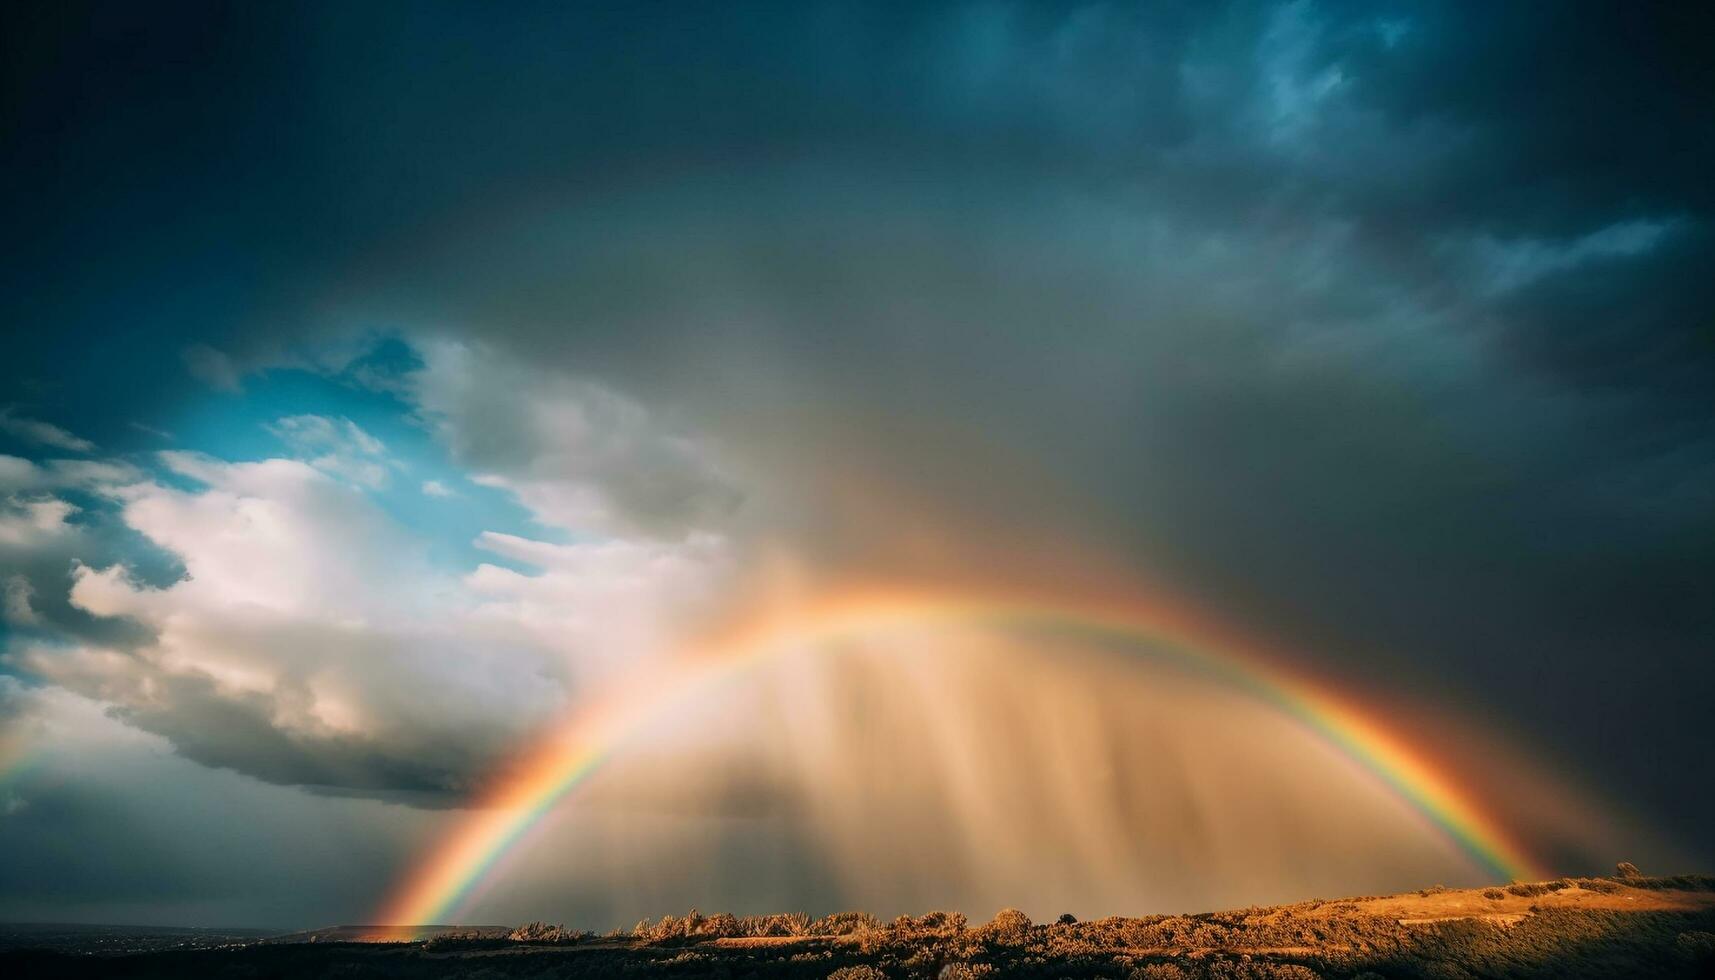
{"points": [[436, 887]]}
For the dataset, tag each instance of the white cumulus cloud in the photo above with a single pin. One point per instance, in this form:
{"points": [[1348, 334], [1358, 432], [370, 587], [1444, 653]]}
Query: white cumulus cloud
{"points": [[312, 641], [337, 446]]}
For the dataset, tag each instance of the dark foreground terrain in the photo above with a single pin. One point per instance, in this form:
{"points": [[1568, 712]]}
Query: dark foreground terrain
{"points": [[109, 940], [1585, 927]]}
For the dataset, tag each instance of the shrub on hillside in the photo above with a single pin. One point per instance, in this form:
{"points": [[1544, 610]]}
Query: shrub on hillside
{"points": [[464, 940], [1689, 883], [1696, 947], [775, 924], [721, 925], [1009, 926], [669, 927], [930, 923], [1247, 969], [1526, 889], [844, 924], [724, 925], [541, 932]]}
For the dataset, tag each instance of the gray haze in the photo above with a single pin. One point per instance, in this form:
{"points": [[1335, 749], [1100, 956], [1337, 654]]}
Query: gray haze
{"points": [[379, 379]]}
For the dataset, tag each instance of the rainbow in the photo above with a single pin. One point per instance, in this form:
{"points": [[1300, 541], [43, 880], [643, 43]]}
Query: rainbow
{"points": [[17, 756], [437, 888]]}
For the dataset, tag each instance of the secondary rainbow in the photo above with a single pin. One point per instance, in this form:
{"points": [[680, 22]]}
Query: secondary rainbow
{"points": [[435, 888]]}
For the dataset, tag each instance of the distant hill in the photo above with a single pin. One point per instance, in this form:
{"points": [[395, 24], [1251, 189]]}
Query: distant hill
{"points": [[1627, 926], [110, 939], [387, 934]]}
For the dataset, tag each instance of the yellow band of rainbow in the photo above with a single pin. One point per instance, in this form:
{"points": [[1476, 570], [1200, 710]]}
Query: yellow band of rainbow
{"points": [[434, 889]]}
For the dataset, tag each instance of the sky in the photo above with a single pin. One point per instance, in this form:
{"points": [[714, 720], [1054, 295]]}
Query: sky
{"points": [[384, 382]]}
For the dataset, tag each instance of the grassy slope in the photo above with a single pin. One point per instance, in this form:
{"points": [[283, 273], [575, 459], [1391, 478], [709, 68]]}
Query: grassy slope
{"points": [[1585, 928]]}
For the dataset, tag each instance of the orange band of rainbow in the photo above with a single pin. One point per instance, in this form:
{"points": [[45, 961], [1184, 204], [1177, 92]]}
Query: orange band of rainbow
{"points": [[434, 889]]}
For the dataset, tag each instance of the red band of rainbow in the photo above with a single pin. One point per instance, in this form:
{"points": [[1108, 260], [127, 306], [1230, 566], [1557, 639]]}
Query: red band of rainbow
{"points": [[434, 890]]}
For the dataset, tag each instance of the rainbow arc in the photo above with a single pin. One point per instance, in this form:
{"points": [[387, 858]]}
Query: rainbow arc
{"points": [[544, 776]]}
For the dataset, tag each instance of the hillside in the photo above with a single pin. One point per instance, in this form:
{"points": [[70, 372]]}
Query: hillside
{"points": [[1590, 927]]}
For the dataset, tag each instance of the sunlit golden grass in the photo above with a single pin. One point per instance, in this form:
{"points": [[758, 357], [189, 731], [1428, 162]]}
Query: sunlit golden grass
{"points": [[1628, 925]]}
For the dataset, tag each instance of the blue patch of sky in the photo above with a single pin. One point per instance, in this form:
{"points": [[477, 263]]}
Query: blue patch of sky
{"points": [[241, 426], [132, 414]]}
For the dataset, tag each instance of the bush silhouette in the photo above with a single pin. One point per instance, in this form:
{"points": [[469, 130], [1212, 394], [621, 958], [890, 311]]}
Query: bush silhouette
{"points": [[930, 923], [844, 924], [541, 932], [1527, 889]]}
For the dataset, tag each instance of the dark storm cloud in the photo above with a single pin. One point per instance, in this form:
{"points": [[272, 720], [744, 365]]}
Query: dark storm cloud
{"points": [[244, 731], [1382, 329], [52, 521], [1570, 117], [1331, 314], [227, 732], [105, 825], [1567, 120]]}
